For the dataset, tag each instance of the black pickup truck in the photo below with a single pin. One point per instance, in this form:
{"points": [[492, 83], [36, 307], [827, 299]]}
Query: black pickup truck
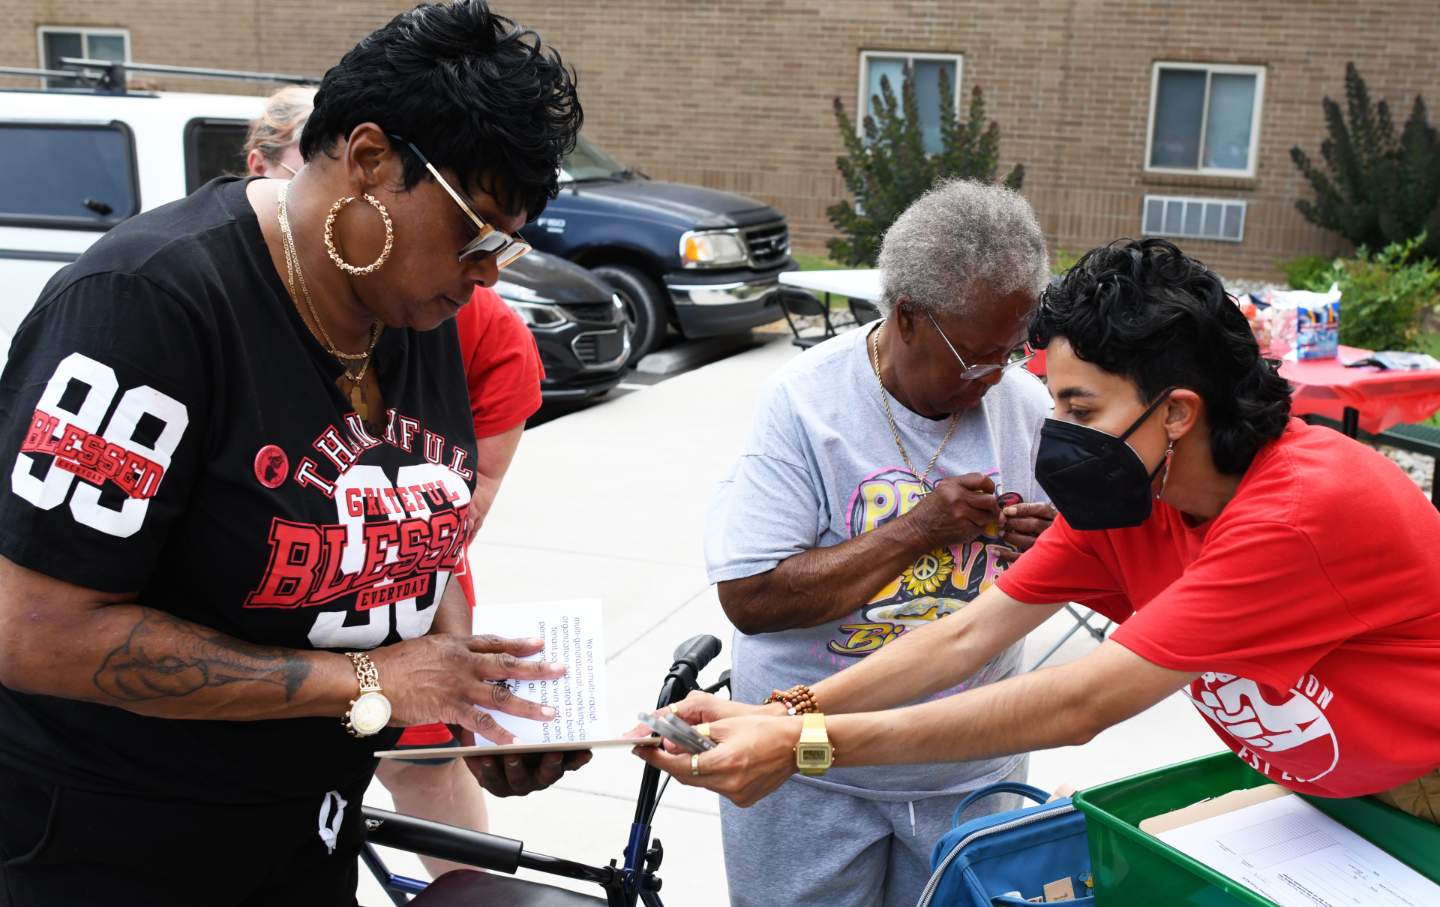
{"points": [[703, 261]]}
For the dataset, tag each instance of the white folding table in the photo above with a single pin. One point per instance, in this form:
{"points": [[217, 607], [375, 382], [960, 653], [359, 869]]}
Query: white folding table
{"points": [[861, 287], [854, 283]]}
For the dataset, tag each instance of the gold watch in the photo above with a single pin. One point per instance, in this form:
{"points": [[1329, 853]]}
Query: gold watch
{"points": [[814, 754], [369, 711]]}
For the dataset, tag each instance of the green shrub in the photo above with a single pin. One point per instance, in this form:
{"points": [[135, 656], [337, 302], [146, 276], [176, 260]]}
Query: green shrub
{"points": [[1383, 297], [1063, 261], [887, 169], [1308, 272], [815, 261], [1376, 187]]}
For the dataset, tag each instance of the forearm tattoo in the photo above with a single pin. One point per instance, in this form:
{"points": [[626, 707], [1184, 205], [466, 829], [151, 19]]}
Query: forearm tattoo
{"points": [[163, 657]]}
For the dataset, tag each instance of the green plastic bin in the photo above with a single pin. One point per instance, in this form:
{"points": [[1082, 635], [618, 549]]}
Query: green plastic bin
{"points": [[1133, 868]]}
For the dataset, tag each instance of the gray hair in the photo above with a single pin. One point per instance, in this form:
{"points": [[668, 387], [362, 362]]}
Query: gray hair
{"points": [[960, 238]]}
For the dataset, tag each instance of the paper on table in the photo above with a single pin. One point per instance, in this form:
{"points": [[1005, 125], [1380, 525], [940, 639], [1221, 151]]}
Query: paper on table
{"points": [[1295, 855], [572, 634]]}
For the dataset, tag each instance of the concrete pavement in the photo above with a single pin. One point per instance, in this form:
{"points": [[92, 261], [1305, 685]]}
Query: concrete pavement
{"points": [[610, 502]]}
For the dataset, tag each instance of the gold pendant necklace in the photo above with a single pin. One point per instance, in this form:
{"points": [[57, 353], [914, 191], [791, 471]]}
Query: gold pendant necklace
{"points": [[890, 417], [357, 400], [293, 271]]}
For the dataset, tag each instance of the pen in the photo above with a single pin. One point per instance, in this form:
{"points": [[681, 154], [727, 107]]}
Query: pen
{"points": [[993, 528]]}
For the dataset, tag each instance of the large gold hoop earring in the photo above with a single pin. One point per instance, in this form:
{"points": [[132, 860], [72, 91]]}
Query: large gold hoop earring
{"points": [[341, 263]]}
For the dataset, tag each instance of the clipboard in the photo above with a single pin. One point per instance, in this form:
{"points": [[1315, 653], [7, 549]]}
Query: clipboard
{"points": [[449, 752], [1225, 803]]}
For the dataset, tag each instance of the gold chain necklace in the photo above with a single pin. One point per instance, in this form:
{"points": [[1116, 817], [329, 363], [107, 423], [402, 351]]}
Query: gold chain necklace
{"points": [[294, 271], [890, 417]]}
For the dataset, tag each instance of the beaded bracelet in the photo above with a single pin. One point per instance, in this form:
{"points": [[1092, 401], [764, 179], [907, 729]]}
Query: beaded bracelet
{"points": [[798, 700]]}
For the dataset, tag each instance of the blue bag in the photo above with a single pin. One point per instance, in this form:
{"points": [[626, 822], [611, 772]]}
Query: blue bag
{"points": [[980, 863]]}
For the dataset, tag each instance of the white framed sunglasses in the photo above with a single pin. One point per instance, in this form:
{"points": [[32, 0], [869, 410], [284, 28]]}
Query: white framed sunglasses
{"points": [[1018, 356], [489, 241]]}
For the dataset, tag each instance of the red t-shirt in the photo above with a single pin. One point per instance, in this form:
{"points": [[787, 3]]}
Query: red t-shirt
{"points": [[502, 364], [503, 371], [1311, 604]]}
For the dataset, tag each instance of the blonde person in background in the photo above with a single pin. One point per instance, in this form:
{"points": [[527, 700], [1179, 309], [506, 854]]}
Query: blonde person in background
{"points": [[503, 371], [272, 147]]}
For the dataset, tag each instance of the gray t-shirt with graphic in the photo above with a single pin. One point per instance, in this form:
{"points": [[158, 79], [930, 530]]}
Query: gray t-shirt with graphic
{"points": [[820, 467]]}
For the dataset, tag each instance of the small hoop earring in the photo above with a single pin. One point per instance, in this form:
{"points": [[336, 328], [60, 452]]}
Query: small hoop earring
{"points": [[341, 263]]}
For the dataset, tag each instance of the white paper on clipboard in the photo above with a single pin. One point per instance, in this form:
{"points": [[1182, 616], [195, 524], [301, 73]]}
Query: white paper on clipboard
{"points": [[1295, 855], [573, 637]]}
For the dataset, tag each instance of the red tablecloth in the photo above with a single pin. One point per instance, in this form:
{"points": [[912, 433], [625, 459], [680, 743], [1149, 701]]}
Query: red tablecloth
{"points": [[1325, 387]]}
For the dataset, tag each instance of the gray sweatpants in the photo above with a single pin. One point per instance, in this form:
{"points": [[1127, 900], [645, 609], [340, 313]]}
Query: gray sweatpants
{"points": [[805, 846]]}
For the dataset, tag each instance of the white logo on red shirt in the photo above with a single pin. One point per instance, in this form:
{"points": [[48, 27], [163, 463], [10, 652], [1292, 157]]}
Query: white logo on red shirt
{"points": [[1295, 736]]}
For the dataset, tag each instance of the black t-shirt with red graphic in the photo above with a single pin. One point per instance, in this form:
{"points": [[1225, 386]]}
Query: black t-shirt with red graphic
{"points": [[170, 428]]}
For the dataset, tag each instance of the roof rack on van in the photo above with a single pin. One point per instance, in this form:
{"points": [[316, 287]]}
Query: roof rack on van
{"points": [[110, 75], [83, 76]]}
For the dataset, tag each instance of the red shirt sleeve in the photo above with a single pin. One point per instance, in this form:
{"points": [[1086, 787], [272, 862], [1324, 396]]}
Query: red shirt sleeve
{"points": [[502, 364], [1256, 603], [466, 579], [1063, 566]]}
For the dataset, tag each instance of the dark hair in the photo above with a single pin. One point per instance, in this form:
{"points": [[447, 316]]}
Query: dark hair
{"points": [[1144, 310], [472, 90]]}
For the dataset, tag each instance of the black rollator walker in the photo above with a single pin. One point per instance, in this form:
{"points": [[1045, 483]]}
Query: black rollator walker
{"points": [[624, 885]]}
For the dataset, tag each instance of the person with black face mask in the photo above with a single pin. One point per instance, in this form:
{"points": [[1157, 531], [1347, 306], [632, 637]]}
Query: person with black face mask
{"points": [[1281, 574]]}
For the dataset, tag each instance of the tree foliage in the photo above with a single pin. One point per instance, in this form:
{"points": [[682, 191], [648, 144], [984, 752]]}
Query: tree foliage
{"points": [[887, 167], [1375, 188]]}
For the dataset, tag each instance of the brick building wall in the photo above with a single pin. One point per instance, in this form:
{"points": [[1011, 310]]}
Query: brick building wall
{"points": [[737, 96]]}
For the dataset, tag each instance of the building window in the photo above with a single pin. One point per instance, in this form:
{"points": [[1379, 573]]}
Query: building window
{"points": [[875, 64], [57, 42], [1205, 118], [1194, 218]]}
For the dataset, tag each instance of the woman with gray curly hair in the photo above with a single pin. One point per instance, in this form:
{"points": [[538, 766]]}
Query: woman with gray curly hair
{"points": [[888, 481]]}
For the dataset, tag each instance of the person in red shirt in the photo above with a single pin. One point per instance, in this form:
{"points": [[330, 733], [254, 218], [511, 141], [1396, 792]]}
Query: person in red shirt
{"points": [[503, 372], [1281, 574]]}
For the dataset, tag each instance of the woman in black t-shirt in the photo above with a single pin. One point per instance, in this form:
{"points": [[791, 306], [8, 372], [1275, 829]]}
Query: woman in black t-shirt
{"points": [[241, 453]]}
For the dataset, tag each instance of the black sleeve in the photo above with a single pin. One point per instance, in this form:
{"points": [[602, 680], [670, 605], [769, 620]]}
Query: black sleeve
{"points": [[102, 415]]}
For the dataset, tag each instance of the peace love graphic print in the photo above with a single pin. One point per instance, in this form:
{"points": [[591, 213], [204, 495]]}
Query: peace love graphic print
{"points": [[938, 583]]}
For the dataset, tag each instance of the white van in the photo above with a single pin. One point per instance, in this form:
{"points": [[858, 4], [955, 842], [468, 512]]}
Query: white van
{"points": [[79, 162]]}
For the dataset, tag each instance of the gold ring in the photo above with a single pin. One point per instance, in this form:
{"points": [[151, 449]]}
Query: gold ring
{"points": [[695, 764], [674, 709], [703, 729]]}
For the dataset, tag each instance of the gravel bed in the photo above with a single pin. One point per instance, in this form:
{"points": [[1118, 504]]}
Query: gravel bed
{"points": [[1420, 468]]}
